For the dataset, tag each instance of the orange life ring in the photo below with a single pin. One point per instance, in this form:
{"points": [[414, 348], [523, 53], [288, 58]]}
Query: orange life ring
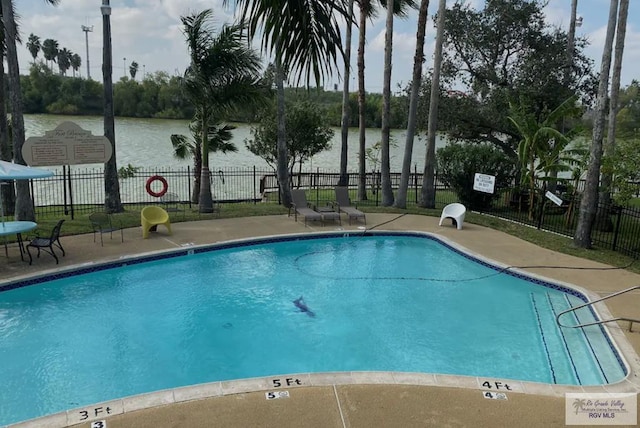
{"points": [[162, 180]]}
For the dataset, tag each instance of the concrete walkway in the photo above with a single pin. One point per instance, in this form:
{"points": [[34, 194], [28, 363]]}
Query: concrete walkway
{"points": [[348, 399]]}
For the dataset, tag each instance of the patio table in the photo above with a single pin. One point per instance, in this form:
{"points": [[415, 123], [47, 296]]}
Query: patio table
{"points": [[17, 228]]}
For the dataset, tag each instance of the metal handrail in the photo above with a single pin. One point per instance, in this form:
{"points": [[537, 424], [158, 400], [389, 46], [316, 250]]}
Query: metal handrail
{"points": [[631, 320]]}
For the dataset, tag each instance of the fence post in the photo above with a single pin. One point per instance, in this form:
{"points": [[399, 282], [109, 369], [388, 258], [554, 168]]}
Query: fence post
{"points": [[70, 192], [415, 182], [255, 195], [617, 229], [544, 200]]}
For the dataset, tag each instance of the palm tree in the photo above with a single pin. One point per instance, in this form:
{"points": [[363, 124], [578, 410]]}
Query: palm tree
{"points": [[589, 202], [50, 50], [346, 111], [133, 69], [75, 62], [304, 37], [64, 60], [7, 192], [34, 46], [368, 10], [24, 203], [614, 106], [385, 163], [416, 81], [224, 73], [112, 200], [428, 192], [219, 140]]}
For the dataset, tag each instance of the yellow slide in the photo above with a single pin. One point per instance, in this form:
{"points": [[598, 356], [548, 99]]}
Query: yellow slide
{"points": [[151, 217]]}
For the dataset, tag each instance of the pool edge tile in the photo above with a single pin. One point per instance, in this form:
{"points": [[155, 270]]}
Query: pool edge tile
{"points": [[244, 385], [410, 378], [55, 420], [372, 377], [145, 401], [197, 392]]}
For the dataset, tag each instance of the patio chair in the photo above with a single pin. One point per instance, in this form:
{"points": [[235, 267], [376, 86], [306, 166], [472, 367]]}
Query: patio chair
{"points": [[343, 204], [455, 212], [101, 223], [302, 207], [46, 244], [172, 204], [151, 217]]}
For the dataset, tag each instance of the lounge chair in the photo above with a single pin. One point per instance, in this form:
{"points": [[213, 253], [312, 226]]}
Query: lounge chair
{"points": [[455, 212], [343, 204], [101, 223], [46, 244], [301, 207], [151, 217]]}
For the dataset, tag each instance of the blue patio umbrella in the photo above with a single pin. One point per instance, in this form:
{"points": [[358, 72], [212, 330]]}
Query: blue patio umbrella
{"points": [[14, 171]]}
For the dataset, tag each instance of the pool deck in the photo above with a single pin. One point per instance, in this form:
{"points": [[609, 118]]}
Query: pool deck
{"points": [[347, 399]]}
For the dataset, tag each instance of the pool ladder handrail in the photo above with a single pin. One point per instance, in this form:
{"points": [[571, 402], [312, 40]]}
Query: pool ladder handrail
{"points": [[575, 308]]}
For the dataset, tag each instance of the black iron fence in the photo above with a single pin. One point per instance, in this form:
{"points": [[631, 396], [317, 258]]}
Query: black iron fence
{"points": [[82, 190]]}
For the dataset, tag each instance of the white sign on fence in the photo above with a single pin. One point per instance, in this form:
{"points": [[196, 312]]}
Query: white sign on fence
{"points": [[484, 183], [553, 198], [68, 144]]}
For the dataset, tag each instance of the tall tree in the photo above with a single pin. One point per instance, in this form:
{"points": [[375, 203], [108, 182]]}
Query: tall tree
{"points": [[7, 192], [223, 73], [24, 203], [366, 11], [428, 192], [304, 37], [219, 140], [112, 200], [589, 202], [50, 50], [416, 81], [64, 60], [34, 46], [346, 110], [614, 104], [75, 62], [385, 163], [500, 54], [133, 69]]}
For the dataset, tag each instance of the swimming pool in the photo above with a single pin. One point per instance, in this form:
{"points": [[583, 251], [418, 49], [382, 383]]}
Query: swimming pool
{"points": [[384, 302]]}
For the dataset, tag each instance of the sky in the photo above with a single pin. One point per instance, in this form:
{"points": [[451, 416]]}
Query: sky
{"points": [[149, 33]]}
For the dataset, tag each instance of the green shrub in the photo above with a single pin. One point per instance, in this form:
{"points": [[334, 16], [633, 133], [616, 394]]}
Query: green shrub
{"points": [[458, 163]]}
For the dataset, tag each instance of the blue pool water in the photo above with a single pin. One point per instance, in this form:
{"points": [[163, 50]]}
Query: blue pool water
{"points": [[384, 302]]}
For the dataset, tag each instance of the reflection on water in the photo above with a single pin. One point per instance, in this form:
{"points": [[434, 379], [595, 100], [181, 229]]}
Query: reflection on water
{"points": [[146, 143]]}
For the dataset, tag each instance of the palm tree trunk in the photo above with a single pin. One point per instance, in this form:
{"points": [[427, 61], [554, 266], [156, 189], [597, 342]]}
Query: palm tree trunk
{"points": [[346, 111], [24, 203], [283, 155], [385, 164], [614, 107], [7, 190], [205, 201], [589, 203], [418, 59], [112, 203], [362, 167], [428, 193]]}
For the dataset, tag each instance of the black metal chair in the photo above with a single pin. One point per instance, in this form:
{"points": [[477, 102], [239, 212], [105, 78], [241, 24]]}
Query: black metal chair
{"points": [[46, 244], [172, 204], [101, 223]]}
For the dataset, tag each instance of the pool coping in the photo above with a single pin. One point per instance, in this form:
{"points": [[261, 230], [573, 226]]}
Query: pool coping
{"points": [[631, 383]]}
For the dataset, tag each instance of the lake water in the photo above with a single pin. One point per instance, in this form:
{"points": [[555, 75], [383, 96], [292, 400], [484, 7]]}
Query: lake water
{"points": [[146, 143]]}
